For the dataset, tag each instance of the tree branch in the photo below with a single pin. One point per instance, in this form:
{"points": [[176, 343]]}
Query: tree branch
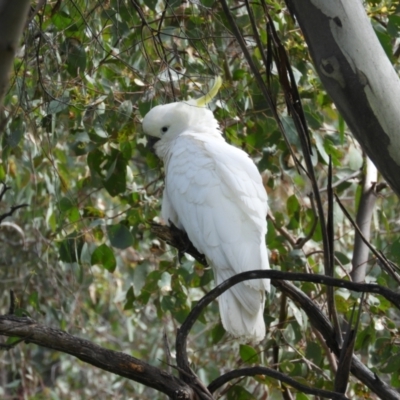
{"points": [[317, 319], [321, 323], [11, 212], [252, 371], [347, 352], [259, 79], [363, 221], [385, 264], [178, 239], [113, 361]]}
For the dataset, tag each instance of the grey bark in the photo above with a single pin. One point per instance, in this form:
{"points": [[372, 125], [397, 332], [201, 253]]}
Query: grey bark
{"points": [[13, 16], [364, 218], [357, 74]]}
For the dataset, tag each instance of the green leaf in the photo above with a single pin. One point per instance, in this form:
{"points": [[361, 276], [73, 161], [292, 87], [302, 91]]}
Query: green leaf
{"points": [[75, 56], [248, 354], [392, 365], [34, 300], [145, 107], [344, 260], [104, 257], [111, 168], [65, 204], [238, 74], [130, 299], [95, 160], [125, 111], [58, 105], [301, 396], [126, 150], [92, 212], [17, 131], [217, 333], [119, 236], [314, 353], [393, 26], [365, 337], [115, 181], [151, 4], [341, 304], [71, 247], [239, 393], [385, 40], [292, 205], [150, 286], [73, 214]]}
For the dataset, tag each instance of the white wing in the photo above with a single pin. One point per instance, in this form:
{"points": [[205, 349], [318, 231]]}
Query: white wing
{"points": [[215, 193]]}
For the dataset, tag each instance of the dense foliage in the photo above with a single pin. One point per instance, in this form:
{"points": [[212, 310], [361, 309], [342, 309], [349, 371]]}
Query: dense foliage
{"points": [[81, 256]]}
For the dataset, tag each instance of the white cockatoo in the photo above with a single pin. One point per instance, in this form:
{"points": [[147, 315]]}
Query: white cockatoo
{"points": [[214, 192]]}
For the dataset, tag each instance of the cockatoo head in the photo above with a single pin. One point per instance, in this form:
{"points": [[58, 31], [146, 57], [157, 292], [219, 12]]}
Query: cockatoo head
{"points": [[165, 122]]}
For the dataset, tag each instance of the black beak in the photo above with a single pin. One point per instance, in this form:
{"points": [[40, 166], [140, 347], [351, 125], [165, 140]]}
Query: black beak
{"points": [[151, 141]]}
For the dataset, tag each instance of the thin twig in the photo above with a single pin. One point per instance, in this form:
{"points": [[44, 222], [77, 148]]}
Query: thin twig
{"points": [[252, 371], [11, 212], [340, 181], [330, 233], [383, 261]]}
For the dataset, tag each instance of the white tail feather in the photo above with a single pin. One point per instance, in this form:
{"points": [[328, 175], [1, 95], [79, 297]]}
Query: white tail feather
{"points": [[238, 321]]}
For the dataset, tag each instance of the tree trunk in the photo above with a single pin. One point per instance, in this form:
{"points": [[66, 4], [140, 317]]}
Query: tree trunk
{"points": [[357, 74], [12, 22]]}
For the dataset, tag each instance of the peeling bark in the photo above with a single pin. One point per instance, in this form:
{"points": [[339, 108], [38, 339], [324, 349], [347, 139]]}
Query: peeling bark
{"points": [[357, 74]]}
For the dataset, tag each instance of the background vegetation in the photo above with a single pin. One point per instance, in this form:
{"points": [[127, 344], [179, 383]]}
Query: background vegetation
{"points": [[81, 257]]}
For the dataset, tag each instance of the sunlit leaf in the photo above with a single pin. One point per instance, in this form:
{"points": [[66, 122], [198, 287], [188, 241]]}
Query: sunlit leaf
{"points": [[248, 354]]}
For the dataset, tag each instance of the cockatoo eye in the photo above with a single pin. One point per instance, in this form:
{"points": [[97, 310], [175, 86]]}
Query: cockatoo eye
{"points": [[164, 129]]}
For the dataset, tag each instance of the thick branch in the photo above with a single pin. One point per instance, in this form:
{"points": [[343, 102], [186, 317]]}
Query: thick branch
{"points": [[113, 361]]}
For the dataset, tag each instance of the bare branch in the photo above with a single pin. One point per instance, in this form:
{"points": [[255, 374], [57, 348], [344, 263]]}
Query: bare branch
{"points": [[385, 264], [330, 233], [116, 362], [321, 323], [317, 319], [340, 181], [178, 239], [252, 371], [4, 190], [11, 212], [346, 352], [263, 87]]}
